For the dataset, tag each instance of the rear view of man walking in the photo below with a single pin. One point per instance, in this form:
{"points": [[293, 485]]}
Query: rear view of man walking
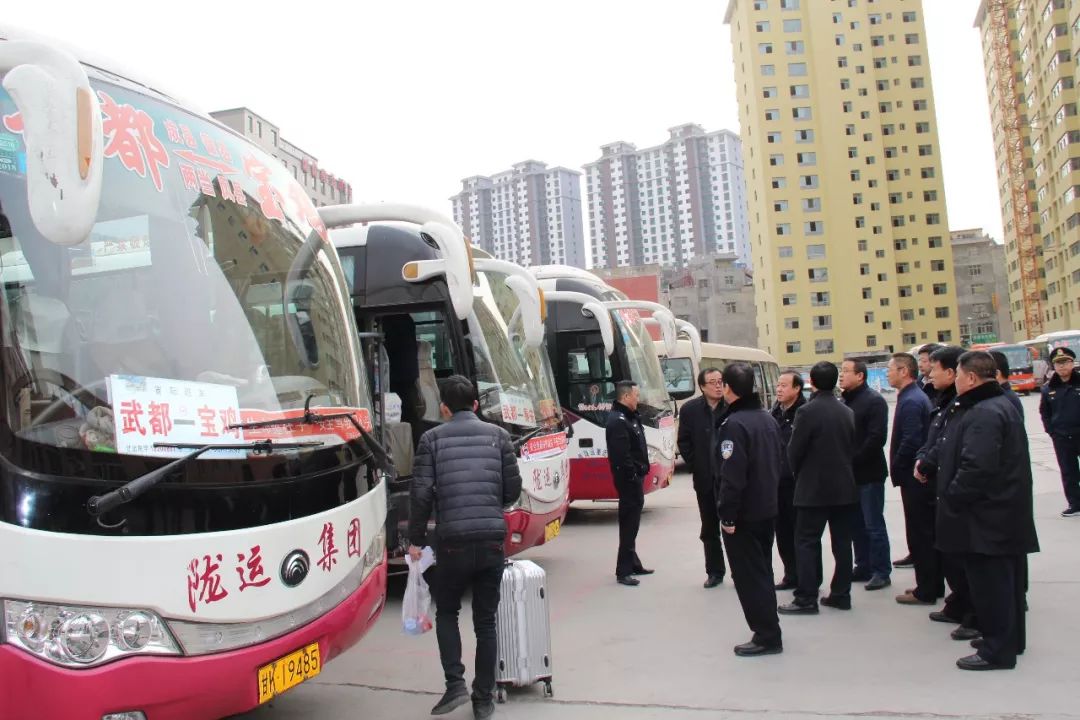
{"points": [[465, 473]]}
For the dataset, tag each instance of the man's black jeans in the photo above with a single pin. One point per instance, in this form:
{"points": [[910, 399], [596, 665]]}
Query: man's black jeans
{"points": [[475, 566]]}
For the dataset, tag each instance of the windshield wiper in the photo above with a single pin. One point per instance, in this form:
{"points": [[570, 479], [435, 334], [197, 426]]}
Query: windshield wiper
{"points": [[374, 449], [100, 504]]}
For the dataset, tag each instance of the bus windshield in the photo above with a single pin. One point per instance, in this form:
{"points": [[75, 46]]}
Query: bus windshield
{"points": [[678, 374], [206, 295], [507, 392], [641, 360], [1018, 356], [1067, 341]]}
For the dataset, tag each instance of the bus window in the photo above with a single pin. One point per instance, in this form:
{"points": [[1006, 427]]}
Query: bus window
{"points": [[590, 385], [759, 381], [678, 377]]}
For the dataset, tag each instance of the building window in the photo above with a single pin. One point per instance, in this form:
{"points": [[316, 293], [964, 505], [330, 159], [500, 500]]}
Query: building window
{"points": [[944, 336], [816, 274], [779, 183], [937, 265], [788, 299], [769, 93], [871, 341], [823, 347], [804, 136], [823, 322], [765, 48], [794, 346], [793, 25], [806, 158], [791, 323], [761, 26], [814, 227], [800, 91], [941, 312], [796, 69], [768, 69], [801, 113], [819, 299], [772, 114], [783, 228], [786, 251], [794, 47], [974, 270], [787, 276], [939, 288], [867, 294]]}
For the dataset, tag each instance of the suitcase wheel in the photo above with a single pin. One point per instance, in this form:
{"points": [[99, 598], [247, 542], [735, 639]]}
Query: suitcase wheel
{"points": [[500, 694], [548, 692]]}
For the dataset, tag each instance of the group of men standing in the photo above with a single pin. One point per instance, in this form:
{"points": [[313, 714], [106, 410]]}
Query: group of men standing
{"points": [[958, 452]]}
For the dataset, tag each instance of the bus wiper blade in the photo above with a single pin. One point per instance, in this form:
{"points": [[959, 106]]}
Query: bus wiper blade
{"points": [[374, 449], [100, 504], [527, 437]]}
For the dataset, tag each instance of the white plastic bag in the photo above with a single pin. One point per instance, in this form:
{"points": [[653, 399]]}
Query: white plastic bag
{"points": [[416, 605]]}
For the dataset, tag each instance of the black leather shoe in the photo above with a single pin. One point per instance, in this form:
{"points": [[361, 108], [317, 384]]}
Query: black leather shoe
{"points": [[861, 575], [963, 633], [627, 580], [976, 662], [752, 649], [451, 700], [713, 581], [904, 562], [642, 571], [939, 616], [795, 608], [837, 602], [877, 582], [786, 585], [483, 710]]}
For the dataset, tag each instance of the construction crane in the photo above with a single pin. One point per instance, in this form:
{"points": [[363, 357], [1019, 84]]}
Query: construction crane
{"points": [[1003, 61]]}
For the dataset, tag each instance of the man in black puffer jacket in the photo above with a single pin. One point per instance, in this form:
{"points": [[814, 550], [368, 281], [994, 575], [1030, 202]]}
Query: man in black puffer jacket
{"points": [[984, 509], [465, 472]]}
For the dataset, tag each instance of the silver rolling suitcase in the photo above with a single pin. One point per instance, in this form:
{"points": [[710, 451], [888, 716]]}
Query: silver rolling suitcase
{"points": [[523, 628]]}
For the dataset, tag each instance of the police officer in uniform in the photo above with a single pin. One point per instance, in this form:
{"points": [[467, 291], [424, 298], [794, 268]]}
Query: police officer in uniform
{"points": [[747, 480], [628, 457], [1060, 410]]}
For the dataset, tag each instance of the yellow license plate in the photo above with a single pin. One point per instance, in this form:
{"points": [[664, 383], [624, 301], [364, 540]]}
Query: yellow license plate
{"points": [[288, 672], [551, 530]]}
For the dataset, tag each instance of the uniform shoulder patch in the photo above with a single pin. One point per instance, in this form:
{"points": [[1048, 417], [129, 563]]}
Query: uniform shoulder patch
{"points": [[727, 447]]}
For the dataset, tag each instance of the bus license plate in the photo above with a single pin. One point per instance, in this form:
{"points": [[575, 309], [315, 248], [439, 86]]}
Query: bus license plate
{"points": [[551, 530], [288, 672]]}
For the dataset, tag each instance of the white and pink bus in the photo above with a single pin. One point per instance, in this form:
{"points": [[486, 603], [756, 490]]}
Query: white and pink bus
{"points": [[191, 504], [597, 337]]}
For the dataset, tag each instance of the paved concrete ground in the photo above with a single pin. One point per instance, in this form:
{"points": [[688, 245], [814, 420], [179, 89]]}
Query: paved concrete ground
{"points": [[663, 650]]}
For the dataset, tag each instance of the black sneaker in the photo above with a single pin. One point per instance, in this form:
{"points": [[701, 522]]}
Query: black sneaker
{"points": [[451, 700], [904, 562], [794, 608], [483, 709], [1070, 512]]}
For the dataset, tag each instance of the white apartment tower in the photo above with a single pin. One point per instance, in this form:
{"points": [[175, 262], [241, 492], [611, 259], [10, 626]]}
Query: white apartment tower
{"points": [[670, 203], [529, 215]]}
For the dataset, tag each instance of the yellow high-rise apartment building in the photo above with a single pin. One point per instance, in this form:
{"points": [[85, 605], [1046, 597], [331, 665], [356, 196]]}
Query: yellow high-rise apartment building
{"points": [[847, 208], [1029, 48]]}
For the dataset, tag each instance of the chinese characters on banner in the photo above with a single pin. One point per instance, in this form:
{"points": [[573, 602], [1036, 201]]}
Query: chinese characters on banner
{"points": [[544, 446], [154, 410], [208, 576], [518, 409]]}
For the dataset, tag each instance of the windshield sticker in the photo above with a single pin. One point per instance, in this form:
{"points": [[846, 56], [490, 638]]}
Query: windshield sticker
{"points": [[518, 409], [539, 448], [14, 123], [594, 407], [129, 136], [160, 410], [336, 428], [667, 421]]}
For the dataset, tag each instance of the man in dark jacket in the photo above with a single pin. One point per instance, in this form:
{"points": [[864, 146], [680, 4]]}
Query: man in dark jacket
{"points": [[789, 398], [1002, 377], [871, 536], [911, 420], [748, 474], [628, 457], [985, 512], [465, 473], [820, 452], [920, 495], [697, 427], [1060, 411]]}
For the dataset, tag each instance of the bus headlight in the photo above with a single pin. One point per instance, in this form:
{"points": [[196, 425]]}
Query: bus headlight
{"points": [[75, 636], [524, 502]]}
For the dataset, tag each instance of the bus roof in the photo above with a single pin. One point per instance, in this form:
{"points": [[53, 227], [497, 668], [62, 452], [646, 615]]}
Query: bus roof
{"points": [[1057, 334], [718, 351]]}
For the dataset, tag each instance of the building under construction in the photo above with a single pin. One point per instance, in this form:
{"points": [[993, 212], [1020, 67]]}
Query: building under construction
{"points": [[1029, 48]]}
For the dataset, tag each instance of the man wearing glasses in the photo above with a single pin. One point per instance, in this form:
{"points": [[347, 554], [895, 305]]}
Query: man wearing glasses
{"points": [[1060, 410], [697, 428]]}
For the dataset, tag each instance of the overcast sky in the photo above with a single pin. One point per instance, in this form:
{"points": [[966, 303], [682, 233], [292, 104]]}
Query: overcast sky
{"points": [[404, 99]]}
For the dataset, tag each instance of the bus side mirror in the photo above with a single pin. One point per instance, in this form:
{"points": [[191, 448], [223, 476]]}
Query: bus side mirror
{"points": [[60, 121]]}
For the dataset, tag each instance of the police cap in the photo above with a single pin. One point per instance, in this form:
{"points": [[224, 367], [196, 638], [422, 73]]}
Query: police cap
{"points": [[1061, 353]]}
